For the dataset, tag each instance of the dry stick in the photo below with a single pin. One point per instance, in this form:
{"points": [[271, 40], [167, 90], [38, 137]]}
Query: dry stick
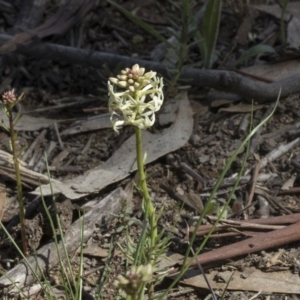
{"points": [[77, 102], [235, 232], [41, 163], [247, 225], [260, 78], [244, 179], [218, 79], [256, 137], [271, 199], [274, 154], [176, 196], [61, 145], [243, 228], [47, 256], [254, 181], [244, 125], [281, 220], [290, 191], [261, 242], [192, 173], [258, 243], [34, 145], [201, 270]]}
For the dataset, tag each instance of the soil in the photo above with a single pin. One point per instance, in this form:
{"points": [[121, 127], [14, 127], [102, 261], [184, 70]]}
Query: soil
{"points": [[49, 84]]}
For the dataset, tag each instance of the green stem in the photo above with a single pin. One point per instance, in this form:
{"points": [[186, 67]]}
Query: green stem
{"points": [[282, 27], [148, 205], [18, 180]]}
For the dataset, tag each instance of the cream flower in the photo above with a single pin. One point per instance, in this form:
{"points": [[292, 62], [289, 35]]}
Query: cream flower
{"points": [[134, 97], [133, 279]]}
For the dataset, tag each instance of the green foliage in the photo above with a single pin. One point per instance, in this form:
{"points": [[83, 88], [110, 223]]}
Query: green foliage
{"points": [[210, 30], [187, 262], [254, 51], [185, 33], [282, 25], [139, 22]]}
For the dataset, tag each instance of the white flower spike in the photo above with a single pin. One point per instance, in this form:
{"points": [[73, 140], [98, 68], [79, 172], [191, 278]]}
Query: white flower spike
{"points": [[134, 97]]}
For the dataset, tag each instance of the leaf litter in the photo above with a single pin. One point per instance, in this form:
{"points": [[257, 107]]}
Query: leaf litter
{"points": [[202, 137]]}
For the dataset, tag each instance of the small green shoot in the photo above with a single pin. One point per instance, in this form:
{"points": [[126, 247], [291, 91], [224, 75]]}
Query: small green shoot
{"points": [[187, 262], [254, 51], [9, 101], [210, 30], [282, 22]]}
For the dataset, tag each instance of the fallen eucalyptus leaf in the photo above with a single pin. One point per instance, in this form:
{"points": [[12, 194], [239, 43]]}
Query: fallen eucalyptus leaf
{"points": [[123, 161]]}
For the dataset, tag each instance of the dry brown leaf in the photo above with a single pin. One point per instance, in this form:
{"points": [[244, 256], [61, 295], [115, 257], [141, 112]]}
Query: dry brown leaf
{"points": [[221, 102], [198, 108], [242, 108], [275, 72]]}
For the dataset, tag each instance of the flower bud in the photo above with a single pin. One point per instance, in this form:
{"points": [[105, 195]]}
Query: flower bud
{"points": [[134, 99]]}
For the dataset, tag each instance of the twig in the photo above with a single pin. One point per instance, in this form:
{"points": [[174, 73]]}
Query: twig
{"points": [[192, 204], [201, 270], [281, 220], [243, 125], [254, 181], [282, 149], [192, 173], [290, 191], [33, 146], [261, 242], [218, 79], [271, 199], [262, 177], [255, 139], [61, 145]]}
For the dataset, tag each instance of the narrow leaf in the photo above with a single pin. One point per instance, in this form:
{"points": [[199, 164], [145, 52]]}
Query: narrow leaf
{"points": [[140, 23], [255, 50], [211, 23]]}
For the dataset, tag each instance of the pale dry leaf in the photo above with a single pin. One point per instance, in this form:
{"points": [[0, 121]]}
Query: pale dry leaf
{"points": [[28, 123], [3, 200], [274, 71], [283, 282], [292, 16], [123, 162], [289, 183], [95, 251], [242, 108], [90, 124]]}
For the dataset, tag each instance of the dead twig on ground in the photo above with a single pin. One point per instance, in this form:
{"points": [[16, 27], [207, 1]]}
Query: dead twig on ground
{"points": [[255, 244], [258, 243], [229, 81], [276, 221]]}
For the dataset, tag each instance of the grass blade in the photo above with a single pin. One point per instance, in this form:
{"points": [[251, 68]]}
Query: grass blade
{"points": [[211, 23]]}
